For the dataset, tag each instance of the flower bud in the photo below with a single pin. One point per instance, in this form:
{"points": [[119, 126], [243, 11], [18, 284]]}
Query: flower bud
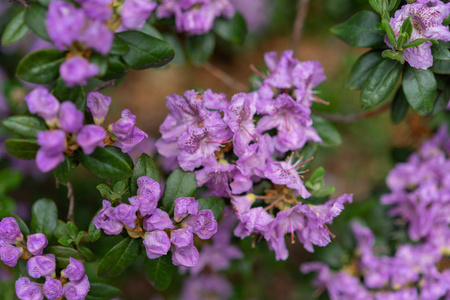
{"points": [[10, 255], [27, 290], [77, 290], [70, 118], [10, 231], [204, 225], [76, 71], [42, 103], [149, 188], [124, 126], [185, 206], [43, 265], [74, 271], [36, 243], [159, 220], [53, 288], [127, 144], [126, 214], [182, 237], [187, 257], [106, 219], [90, 137], [156, 243], [98, 105]]}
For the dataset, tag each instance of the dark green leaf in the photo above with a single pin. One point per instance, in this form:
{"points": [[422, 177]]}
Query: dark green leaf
{"points": [[35, 16], [179, 184], [145, 166], [441, 101], [65, 240], [387, 28], [62, 171], [102, 290], [72, 229], [23, 149], [215, 204], [362, 68], [41, 66], [327, 132], [9, 180], [199, 48], [120, 187], [407, 27], [107, 163], [399, 107], [119, 47], [381, 83], [323, 192], [418, 42], [101, 62], [86, 252], [440, 52], [44, 216], [22, 225], [60, 230], [378, 5], [15, 30], [63, 254], [307, 152], [159, 272], [145, 51], [151, 31], [392, 5], [233, 30], [360, 30], [394, 55], [419, 87], [175, 42], [25, 126], [119, 258], [116, 68], [93, 232], [441, 67], [76, 94], [7, 206]]}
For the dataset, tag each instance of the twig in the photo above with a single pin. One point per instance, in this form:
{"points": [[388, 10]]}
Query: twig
{"points": [[355, 117], [71, 196], [104, 85], [23, 2], [302, 10], [224, 77]]}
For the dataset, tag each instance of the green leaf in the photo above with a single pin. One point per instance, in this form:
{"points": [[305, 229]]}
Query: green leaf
{"points": [[7, 206], [107, 163], [360, 30], [307, 152], [214, 203], [23, 149], [41, 66], [119, 47], [387, 28], [441, 67], [103, 290], [392, 5], [327, 132], [440, 52], [199, 48], [25, 126], [35, 16], [394, 55], [418, 42], [407, 27], [179, 184], [15, 30], [362, 68], [175, 42], [63, 254], [22, 225], [86, 252], [145, 166], [151, 31], [399, 107], [72, 229], [65, 240], [9, 180], [419, 87], [160, 271], [62, 171], [119, 258], [101, 62], [233, 30], [94, 233], [76, 94], [60, 230], [323, 192], [381, 83], [44, 217], [378, 5], [116, 68], [145, 51]]}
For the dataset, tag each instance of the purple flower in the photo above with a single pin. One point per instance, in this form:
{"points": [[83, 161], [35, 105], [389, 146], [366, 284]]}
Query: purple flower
{"points": [[206, 286], [148, 194], [51, 153], [135, 12], [36, 243], [185, 206], [306, 76], [217, 176], [186, 257], [10, 231], [427, 23], [76, 71], [203, 224], [10, 255], [90, 137], [70, 118], [41, 266], [126, 214], [106, 219], [96, 35], [27, 290], [42, 103], [98, 105], [159, 220], [77, 290], [97, 9], [74, 271], [53, 288], [127, 135], [128, 144], [182, 237], [256, 220], [157, 243]]}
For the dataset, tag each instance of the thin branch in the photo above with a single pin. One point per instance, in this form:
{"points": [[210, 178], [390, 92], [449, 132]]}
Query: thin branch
{"points": [[104, 85], [302, 11], [355, 117], [71, 196], [224, 77], [23, 3]]}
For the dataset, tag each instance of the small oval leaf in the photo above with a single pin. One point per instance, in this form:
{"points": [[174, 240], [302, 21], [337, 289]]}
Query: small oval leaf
{"points": [[118, 258], [179, 184], [419, 87], [44, 217], [41, 66]]}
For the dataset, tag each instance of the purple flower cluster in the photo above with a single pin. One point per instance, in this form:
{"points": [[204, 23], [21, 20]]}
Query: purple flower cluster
{"points": [[195, 16], [232, 145], [67, 132], [427, 23], [10, 237], [73, 283], [159, 232]]}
